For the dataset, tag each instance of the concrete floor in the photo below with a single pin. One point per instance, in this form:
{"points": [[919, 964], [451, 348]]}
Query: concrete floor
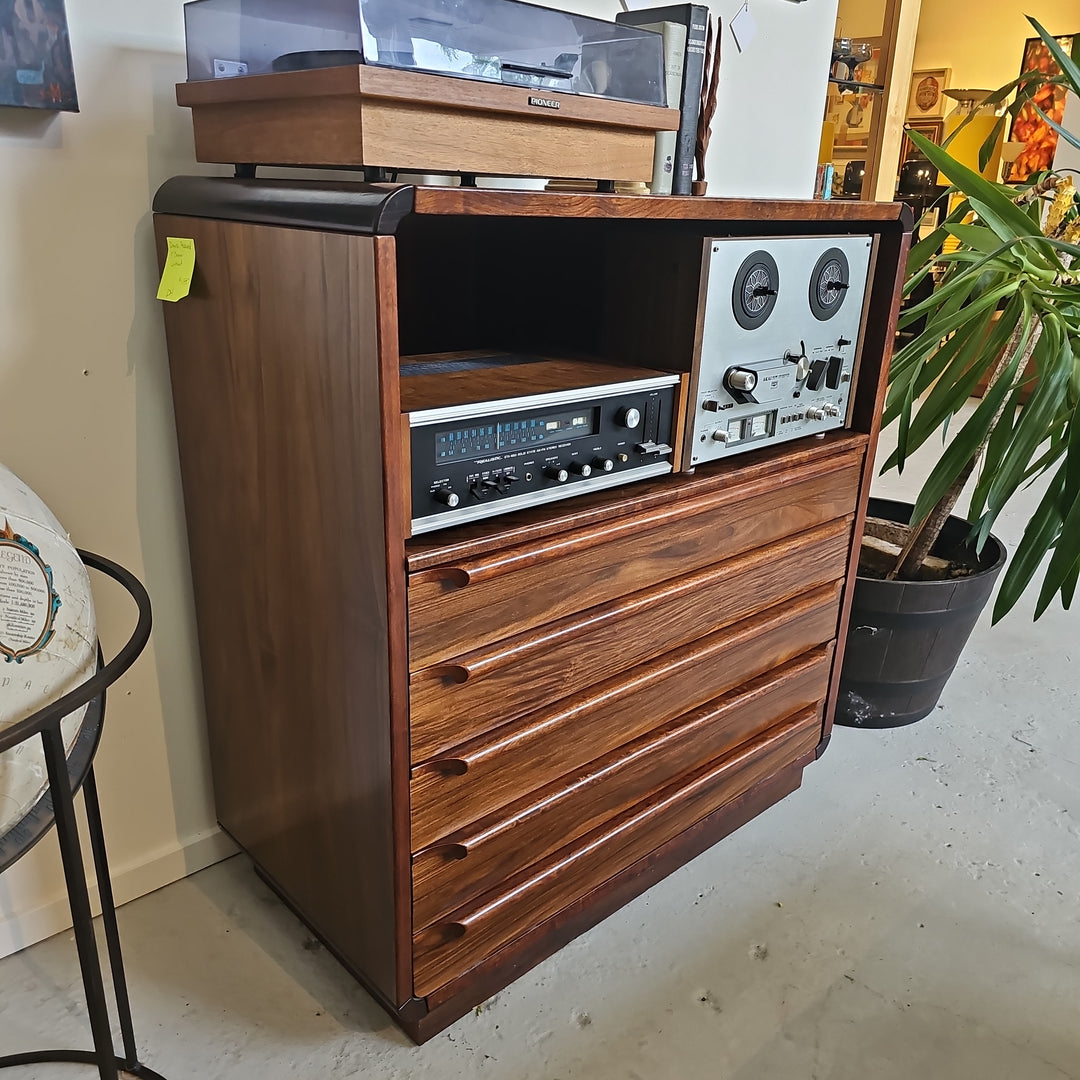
{"points": [[911, 911]]}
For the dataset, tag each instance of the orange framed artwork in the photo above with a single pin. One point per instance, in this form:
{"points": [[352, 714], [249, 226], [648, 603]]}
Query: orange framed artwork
{"points": [[1028, 127]]}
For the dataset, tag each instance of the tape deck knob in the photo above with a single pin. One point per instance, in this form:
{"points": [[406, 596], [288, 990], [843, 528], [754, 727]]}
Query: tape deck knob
{"points": [[742, 379]]}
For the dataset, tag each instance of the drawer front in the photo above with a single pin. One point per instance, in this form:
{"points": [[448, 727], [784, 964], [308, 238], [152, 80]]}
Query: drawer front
{"points": [[458, 608], [479, 857], [449, 947], [480, 776], [471, 694]]}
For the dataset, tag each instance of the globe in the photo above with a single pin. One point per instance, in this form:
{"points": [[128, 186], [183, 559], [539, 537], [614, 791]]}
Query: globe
{"points": [[48, 636]]}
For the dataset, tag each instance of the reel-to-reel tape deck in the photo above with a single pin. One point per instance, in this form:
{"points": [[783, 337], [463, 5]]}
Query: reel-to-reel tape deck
{"points": [[779, 341]]}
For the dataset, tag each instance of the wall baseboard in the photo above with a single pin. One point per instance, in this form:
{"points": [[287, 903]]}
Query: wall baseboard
{"points": [[22, 929]]}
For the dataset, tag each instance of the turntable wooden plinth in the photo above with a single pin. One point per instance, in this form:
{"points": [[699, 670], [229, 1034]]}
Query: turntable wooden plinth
{"points": [[382, 117]]}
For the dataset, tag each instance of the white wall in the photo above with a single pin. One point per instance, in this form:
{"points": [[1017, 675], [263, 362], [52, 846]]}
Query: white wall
{"points": [[86, 419], [983, 40], [85, 408]]}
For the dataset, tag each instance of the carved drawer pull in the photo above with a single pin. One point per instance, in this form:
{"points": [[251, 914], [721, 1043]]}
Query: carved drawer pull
{"points": [[444, 766]]}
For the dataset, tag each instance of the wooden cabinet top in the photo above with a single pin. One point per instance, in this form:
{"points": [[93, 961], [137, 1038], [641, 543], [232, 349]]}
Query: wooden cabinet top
{"points": [[379, 209]]}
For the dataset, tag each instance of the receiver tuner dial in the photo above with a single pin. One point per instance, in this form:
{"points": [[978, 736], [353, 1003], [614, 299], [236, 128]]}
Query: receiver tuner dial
{"points": [[629, 418]]}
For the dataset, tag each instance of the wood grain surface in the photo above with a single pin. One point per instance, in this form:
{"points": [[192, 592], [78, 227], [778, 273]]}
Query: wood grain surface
{"points": [[449, 947], [479, 857], [481, 600], [476, 691], [494, 770], [289, 577]]}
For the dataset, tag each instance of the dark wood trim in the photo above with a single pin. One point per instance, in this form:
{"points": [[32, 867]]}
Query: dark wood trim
{"points": [[848, 216], [394, 466]]}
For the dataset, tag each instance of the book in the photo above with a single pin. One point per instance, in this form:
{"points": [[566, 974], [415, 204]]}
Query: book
{"points": [[674, 35], [695, 17]]}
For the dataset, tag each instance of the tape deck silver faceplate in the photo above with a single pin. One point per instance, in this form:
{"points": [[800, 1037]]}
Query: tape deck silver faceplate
{"points": [[779, 344]]}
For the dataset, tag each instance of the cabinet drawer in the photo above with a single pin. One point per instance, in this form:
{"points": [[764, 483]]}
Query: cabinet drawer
{"points": [[477, 858], [492, 771], [448, 948], [458, 608], [454, 702]]}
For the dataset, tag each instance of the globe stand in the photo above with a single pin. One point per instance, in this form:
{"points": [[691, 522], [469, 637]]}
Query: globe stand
{"points": [[57, 806]]}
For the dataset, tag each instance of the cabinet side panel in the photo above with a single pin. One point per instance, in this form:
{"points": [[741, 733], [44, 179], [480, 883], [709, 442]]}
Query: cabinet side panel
{"points": [[277, 398]]}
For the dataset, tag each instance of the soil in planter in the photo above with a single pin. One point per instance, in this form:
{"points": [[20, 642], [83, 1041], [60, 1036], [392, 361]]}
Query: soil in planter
{"points": [[883, 541]]}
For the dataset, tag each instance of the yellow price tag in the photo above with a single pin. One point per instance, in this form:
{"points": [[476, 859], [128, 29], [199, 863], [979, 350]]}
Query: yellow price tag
{"points": [[179, 267]]}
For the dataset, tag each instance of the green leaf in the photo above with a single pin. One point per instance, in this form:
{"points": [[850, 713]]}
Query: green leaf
{"points": [[965, 445], [1012, 220], [958, 382], [978, 237], [1035, 418], [1038, 538], [986, 151], [1068, 67]]}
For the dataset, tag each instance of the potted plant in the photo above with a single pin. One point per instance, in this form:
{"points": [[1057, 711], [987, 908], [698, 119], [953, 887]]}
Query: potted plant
{"points": [[1005, 314]]}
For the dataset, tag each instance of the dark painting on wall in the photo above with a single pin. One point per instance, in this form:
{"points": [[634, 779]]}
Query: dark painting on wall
{"points": [[35, 56]]}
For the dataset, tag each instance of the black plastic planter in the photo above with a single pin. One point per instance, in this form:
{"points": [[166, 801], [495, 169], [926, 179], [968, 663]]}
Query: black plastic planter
{"points": [[905, 637]]}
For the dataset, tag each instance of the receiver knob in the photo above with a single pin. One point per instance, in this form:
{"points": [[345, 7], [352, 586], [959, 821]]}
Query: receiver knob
{"points": [[557, 473], [603, 464], [814, 413], [581, 468], [741, 379], [629, 418], [446, 496]]}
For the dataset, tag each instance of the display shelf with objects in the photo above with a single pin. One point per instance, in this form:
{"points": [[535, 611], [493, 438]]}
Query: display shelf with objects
{"points": [[453, 750]]}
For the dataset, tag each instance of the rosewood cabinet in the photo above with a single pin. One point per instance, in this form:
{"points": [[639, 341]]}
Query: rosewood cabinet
{"points": [[451, 754]]}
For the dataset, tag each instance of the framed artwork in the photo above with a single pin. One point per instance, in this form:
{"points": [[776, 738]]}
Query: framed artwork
{"points": [[852, 109], [926, 98], [1028, 127], [932, 129], [35, 56]]}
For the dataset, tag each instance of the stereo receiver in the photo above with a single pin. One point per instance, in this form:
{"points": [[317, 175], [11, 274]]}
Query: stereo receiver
{"points": [[779, 344], [490, 433]]}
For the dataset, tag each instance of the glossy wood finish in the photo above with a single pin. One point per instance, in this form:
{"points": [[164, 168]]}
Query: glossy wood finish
{"points": [[368, 115], [290, 578], [760, 215], [642, 669], [483, 854], [481, 600], [479, 776], [448, 948], [474, 692], [395, 467], [426, 1017]]}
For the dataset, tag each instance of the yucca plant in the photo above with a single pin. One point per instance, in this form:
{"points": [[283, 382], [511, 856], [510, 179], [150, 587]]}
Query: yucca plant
{"points": [[1005, 312]]}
